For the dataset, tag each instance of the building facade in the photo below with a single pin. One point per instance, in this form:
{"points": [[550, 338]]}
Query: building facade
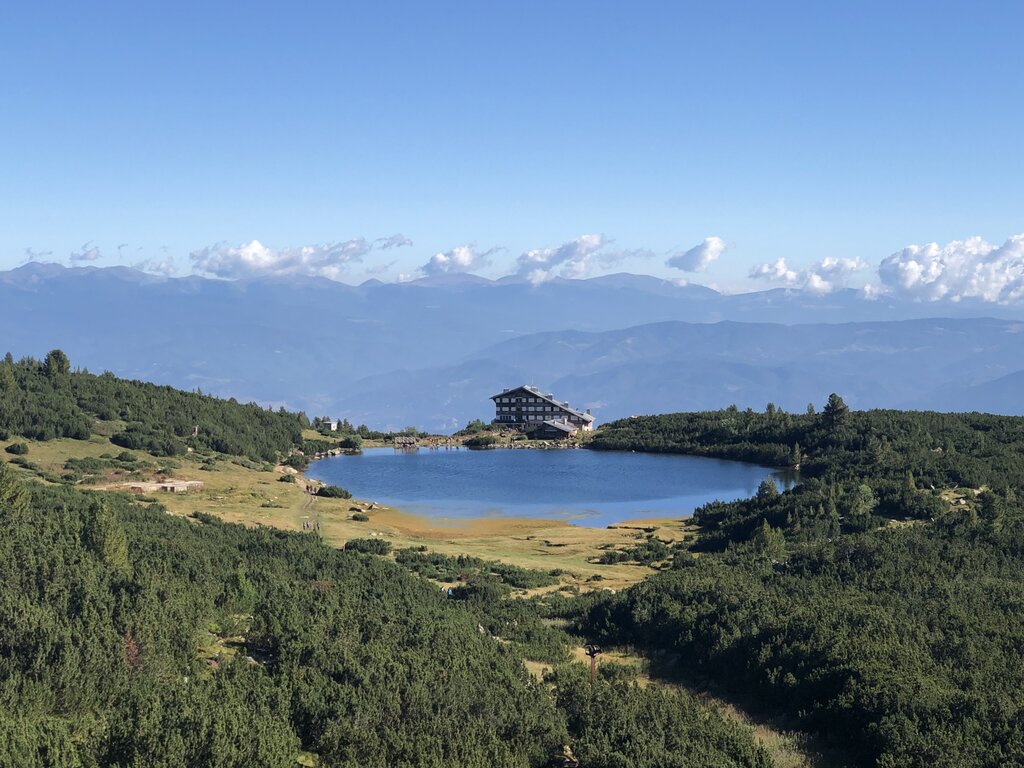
{"points": [[526, 406]]}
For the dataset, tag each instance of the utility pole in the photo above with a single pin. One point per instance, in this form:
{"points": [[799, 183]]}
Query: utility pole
{"points": [[593, 651]]}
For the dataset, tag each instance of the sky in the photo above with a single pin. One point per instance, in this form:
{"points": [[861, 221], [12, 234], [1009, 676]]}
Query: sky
{"points": [[733, 144]]}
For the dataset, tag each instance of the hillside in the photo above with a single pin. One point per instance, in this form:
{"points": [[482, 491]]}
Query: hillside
{"points": [[878, 602], [670, 366], [47, 399], [72, 428], [131, 636], [875, 606]]}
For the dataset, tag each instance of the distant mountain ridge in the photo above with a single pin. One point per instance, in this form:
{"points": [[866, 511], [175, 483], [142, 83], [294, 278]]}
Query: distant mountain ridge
{"points": [[429, 352], [677, 366]]}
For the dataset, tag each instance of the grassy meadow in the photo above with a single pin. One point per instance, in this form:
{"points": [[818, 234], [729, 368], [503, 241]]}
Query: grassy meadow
{"points": [[242, 491]]}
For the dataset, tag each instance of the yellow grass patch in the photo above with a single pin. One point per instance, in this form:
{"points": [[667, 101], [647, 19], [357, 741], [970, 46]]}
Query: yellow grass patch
{"points": [[251, 497]]}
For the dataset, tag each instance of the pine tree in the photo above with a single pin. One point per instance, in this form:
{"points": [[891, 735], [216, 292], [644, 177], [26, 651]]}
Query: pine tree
{"points": [[767, 490], [105, 536], [835, 413], [769, 541], [56, 366], [14, 499]]}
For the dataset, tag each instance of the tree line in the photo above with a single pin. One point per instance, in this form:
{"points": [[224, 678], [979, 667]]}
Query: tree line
{"points": [[44, 400]]}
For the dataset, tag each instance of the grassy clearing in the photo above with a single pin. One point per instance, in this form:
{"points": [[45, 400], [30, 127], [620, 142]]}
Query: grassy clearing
{"points": [[250, 496]]}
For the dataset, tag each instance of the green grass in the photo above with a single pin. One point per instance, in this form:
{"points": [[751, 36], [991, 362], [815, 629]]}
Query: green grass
{"points": [[253, 496]]}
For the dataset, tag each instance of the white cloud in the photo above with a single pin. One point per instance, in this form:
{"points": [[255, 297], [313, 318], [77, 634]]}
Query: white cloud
{"points": [[815, 283], [88, 252], [823, 277], [542, 264], [837, 268], [462, 258], [165, 266], [576, 259], [776, 272], [971, 268], [700, 257], [253, 259]]}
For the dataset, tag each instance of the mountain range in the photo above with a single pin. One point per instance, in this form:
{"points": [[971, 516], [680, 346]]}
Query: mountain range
{"points": [[430, 352]]}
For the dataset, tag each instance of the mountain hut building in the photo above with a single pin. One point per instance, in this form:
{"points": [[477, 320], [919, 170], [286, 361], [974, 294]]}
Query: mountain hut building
{"points": [[527, 407]]}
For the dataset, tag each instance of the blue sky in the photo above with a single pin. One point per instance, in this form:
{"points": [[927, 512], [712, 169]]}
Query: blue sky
{"points": [[137, 132]]}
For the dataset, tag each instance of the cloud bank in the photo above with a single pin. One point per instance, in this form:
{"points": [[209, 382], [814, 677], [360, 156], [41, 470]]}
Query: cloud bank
{"points": [[254, 259], [823, 277], [462, 258], [576, 258], [962, 269], [700, 257], [165, 267]]}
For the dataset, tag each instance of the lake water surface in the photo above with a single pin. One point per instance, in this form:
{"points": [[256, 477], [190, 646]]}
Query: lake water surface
{"points": [[592, 488]]}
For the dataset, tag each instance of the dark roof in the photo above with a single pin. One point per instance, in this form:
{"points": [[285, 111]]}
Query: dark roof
{"points": [[561, 425], [545, 396]]}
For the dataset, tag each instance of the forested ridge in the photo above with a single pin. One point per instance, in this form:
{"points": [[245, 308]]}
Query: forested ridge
{"points": [[881, 601], [46, 399]]}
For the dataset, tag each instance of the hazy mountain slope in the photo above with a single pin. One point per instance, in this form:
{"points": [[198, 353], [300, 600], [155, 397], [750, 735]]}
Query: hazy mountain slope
{"points": [[331, 348], [1002, 395], [682, 366]]}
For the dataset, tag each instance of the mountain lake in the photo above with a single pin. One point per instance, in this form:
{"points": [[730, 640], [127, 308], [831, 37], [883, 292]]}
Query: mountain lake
{"points": [[583, 487]]}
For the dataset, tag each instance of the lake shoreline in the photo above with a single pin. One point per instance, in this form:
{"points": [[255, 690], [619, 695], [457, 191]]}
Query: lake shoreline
{"points": [[578, 488]]}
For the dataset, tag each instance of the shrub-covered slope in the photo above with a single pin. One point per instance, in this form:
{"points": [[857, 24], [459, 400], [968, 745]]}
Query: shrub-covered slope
{"points": [[132, 638], [43, 400], [881, 601]]}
